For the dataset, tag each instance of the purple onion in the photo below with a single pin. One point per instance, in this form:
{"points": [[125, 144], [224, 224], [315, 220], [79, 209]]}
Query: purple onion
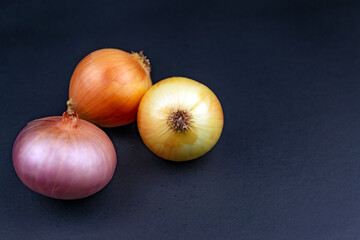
{"points": [[64, 157]]}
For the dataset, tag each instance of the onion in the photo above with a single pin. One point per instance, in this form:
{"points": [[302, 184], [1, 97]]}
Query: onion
{"points": [[64, 157], [107, 86], [180, 119]]}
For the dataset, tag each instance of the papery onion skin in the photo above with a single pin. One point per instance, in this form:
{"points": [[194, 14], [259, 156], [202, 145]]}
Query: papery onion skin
{"points": [[179, 93], [107, 86], [64, 157]]}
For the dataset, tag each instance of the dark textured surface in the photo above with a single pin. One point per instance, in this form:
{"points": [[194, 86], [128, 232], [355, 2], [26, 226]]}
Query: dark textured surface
{"points": [[287, 74]]}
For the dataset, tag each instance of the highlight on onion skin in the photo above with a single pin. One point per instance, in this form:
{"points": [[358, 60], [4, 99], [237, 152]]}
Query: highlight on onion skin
{"points": [[64, 157], [180, 119], [107, 86]]}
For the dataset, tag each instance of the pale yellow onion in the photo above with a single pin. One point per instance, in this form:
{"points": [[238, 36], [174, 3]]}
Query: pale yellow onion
{"points": [[180, 119]]}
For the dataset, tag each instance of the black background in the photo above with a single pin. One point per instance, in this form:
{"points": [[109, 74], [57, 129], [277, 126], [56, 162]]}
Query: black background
{"points": [[287, 165]]}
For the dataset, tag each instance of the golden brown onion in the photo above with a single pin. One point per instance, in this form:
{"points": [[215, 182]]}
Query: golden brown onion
{"points": [[107, 86]]}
